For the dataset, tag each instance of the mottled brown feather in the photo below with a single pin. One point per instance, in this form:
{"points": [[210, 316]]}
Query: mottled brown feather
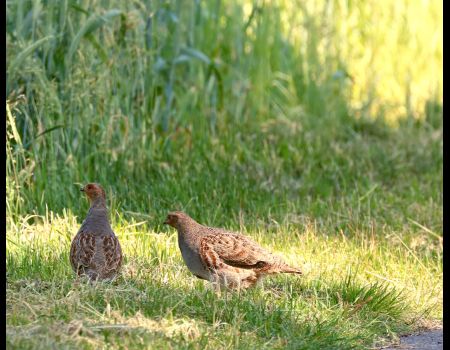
{"points": [[82, 252], [237, 250]]}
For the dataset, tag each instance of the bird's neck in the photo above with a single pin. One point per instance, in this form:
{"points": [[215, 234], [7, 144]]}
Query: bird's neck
{"points": [[189, 230], [98, 203], [98, 209], [97, 219]]}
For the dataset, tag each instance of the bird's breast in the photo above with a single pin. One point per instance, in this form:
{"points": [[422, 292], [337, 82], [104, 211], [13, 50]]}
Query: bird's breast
{"points": [[192, 260]]}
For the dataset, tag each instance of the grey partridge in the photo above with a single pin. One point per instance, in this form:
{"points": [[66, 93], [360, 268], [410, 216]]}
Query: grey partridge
{"points": [[226, 258], [95, 251]]}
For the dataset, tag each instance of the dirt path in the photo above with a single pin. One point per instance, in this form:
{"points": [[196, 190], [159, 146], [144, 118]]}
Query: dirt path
{"points": [[430, 340]]}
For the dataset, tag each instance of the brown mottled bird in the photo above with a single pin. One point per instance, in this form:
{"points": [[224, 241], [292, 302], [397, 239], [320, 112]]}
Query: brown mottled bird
{"points": [[95, 250], [227, 258]]}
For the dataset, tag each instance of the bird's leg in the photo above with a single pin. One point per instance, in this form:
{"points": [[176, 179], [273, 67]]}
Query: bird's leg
{"points": [[216, 288], [217, 284], [76, 282]]}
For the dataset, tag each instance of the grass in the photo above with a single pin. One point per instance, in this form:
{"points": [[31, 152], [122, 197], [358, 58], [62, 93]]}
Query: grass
{"points": [[316, 129], [354, 293]]}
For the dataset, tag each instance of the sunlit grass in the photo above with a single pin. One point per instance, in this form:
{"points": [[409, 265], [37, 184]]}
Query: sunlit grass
{"points": [[354, 292]]}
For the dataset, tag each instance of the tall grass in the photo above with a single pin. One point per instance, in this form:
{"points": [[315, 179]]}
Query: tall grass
{"points": [[315, 126], [148, 96]]}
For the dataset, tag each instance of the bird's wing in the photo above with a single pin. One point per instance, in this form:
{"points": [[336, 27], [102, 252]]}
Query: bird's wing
{"points": [[112, 253], [82, 251], [234, 250]]}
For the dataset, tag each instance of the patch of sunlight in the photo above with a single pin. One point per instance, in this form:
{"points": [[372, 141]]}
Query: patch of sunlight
{"points": [[156, 255], [188, 329], [393, 51]]}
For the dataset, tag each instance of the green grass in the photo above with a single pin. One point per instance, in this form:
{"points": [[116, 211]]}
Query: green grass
{"points": [[355, 292], [316, 129]]}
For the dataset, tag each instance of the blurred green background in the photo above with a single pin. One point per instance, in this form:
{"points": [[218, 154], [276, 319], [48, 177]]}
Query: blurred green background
{"points": [[225, 108]]}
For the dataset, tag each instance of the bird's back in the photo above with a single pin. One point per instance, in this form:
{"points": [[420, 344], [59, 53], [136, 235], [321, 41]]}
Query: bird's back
{"points": [[95, 250]]}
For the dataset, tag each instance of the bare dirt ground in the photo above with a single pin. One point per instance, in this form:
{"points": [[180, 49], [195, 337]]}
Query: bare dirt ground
{"points": [[428, 340]]}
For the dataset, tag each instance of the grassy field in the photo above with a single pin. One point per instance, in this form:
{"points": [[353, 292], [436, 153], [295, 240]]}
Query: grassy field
{"points": [[313, 127]]}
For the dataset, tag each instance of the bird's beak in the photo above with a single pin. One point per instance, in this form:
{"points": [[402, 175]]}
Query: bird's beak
{"points": [[82, 189]]}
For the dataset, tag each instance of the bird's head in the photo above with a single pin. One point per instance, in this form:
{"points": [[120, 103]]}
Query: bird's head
{"points": [[94, 192], [177, 218]]}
